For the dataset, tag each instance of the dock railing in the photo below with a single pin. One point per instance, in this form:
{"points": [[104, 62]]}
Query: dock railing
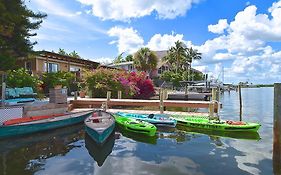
{"points": [[161, 103]]}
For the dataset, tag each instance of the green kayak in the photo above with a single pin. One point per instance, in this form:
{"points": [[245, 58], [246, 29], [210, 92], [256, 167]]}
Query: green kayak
{"points": [[219, 125], [136, 126]]}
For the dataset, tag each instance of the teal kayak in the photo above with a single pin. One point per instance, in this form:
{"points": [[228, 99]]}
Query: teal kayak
{"points": [[135, 126], [156, 119], [219, 125]]}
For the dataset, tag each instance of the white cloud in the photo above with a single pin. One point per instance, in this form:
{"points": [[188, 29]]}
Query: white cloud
{"points": [[128, 39], [220, 27], [56, 9], [224, 56], [103, 60], [124, 10], [258, 26], [245, 45], [159, 42]]}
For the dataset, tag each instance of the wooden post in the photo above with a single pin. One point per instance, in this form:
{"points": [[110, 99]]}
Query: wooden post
{"points": [[277, 130], [3, 91], [211, 110], [214, 99], [185, 90], [161, 96], [119, 95], [240, 101], [75, 95], [213, 93], [108, 96]]}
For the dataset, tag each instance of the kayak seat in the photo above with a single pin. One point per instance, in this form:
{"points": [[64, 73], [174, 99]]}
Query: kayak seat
{"points": [[150, 116]]}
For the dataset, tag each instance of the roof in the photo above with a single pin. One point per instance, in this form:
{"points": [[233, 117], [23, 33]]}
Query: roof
{"points": [[120, 64], [87, 63]]}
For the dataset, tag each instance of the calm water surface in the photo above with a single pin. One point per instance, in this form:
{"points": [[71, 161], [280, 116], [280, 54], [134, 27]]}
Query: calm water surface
{"points": [[69, 151]]}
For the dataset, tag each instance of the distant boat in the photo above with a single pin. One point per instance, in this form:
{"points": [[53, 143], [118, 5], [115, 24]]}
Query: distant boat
{"points": [[27, 125], [100, 125], [156, 119], [97, 151]]}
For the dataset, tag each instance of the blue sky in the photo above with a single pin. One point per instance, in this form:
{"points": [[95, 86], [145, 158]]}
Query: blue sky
{"points": [[240, 37]]}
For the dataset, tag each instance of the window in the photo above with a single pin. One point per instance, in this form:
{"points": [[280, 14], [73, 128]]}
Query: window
{"points": [[74, 69], [28, 66], [51, 67]]}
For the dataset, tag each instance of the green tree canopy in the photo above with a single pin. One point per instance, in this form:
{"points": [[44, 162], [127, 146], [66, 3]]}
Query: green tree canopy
{"points": [[145, 60], [177, 56], [129, 58], [16, 25], [192, 54], [180, 58]]}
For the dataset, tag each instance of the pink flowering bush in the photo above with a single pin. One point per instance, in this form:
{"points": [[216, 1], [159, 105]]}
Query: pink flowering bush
{"points": [[135, 85]]}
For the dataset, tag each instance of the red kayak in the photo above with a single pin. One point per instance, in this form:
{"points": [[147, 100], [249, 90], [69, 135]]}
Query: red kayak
{"points": [[29, 119]]}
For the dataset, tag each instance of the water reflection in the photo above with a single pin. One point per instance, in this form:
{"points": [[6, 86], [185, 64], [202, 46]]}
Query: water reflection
{"points": [[176, 151], [25, 155], [211, 133], [97, 151], [138, 137]]}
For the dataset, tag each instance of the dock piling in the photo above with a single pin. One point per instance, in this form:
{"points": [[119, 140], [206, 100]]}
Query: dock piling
{"points": [[161, 96], [119, 95], [3, 91], [240, 101], [75, 95], [108, 96], [276, 157]]}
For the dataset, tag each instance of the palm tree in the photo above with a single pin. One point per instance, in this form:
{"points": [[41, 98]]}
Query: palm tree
{"points": [[192, 54], [177, 55], [129, 57], [145, 60], [74, 54], [119, 58]]}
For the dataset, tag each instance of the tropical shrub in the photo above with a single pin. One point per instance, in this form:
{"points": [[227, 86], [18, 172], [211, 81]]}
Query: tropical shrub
{"points": [[102, 80], [21, 78], [143, 85], [50, 80], [132, 84]]}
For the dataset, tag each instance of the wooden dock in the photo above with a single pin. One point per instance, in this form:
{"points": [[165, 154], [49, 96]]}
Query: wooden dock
{"points": [[98, 102]]}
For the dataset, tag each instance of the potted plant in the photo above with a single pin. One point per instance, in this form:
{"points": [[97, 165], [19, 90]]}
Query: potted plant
{"points": [[82, 89]]}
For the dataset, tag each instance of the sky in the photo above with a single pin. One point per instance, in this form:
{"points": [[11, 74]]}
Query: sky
{"points": [[239, 40]]}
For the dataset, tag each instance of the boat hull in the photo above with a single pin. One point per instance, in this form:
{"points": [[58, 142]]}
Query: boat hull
{"points": [[99, 126], [204, 123], [100, 137], [42, 125], [136, 126]]}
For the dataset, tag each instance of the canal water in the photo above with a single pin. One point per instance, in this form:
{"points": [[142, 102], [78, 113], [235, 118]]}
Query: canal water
{"points": [[69, 151]]}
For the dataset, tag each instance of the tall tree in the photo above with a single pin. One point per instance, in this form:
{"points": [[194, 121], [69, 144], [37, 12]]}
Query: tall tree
{"points": [[145, 60], [192, 54], [177, 56], [16, 25]]}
